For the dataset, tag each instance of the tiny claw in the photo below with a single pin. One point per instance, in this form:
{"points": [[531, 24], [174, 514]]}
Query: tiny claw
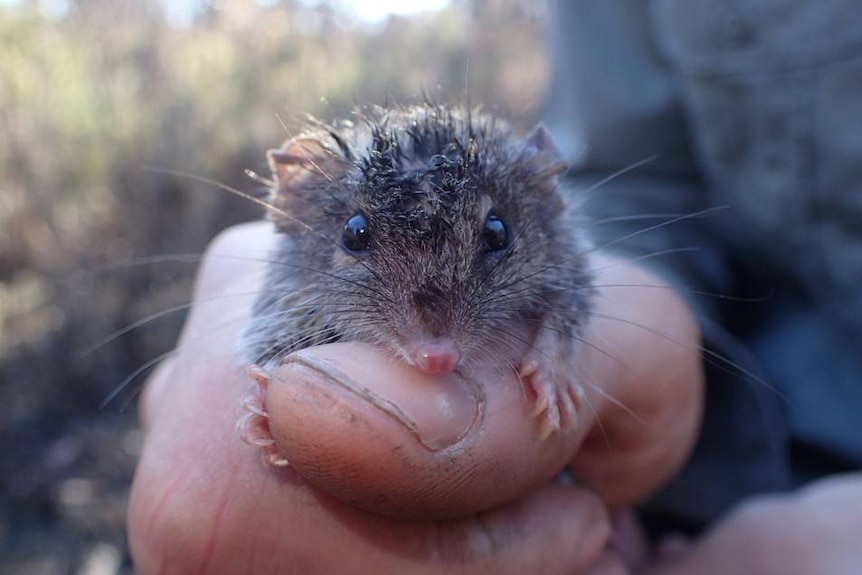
{"points": [[259, 375], [253, 431], [528, 368], [254, 399], [542, 405], [253, 426], [546, 428], [253, 403], [575, 394], [555, 397], [274, 459], [555, 404], [568, 415]]}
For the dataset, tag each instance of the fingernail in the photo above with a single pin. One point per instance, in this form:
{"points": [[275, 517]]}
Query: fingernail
{"points": [[439, 410]]}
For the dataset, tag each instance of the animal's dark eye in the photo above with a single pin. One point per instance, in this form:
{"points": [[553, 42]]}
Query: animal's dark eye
{"points": [[494, 233], [356, 235]]}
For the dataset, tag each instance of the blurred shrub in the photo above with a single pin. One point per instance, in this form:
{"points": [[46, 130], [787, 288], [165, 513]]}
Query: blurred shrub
{"points": [[93, 94]]}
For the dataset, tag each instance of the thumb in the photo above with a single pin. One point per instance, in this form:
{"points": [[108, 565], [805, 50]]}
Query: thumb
{"points": [[383, 436]]}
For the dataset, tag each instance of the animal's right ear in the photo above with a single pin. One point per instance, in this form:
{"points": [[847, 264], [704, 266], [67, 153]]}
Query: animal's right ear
{"points": [[302, 168], [303, 161]]}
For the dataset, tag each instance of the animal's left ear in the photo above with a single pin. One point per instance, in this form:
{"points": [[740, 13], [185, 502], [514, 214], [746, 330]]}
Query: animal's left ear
{"points": [[540, 147]]}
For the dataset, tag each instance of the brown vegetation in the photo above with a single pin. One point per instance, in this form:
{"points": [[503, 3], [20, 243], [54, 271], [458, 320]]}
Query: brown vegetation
{"points": [[89, 98]]}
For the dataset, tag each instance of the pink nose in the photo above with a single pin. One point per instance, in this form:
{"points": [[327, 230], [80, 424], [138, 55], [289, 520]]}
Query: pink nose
{"points": [[436, 356]]}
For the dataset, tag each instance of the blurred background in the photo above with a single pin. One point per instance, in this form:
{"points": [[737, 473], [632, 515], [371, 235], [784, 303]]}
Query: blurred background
{"points": [[92, 92]]}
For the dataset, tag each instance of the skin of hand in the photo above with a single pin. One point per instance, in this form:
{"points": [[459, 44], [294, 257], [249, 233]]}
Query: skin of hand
{"points": [[813, 531], [202, 502]]}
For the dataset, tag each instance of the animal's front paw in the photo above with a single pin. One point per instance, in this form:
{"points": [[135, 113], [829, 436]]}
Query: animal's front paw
{"points": [[555, 395], [253, 427]]}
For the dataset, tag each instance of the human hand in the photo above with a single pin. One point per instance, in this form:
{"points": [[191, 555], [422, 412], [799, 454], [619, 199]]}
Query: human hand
{"points": [[201, 501], [643, 359], [814, 531]]}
